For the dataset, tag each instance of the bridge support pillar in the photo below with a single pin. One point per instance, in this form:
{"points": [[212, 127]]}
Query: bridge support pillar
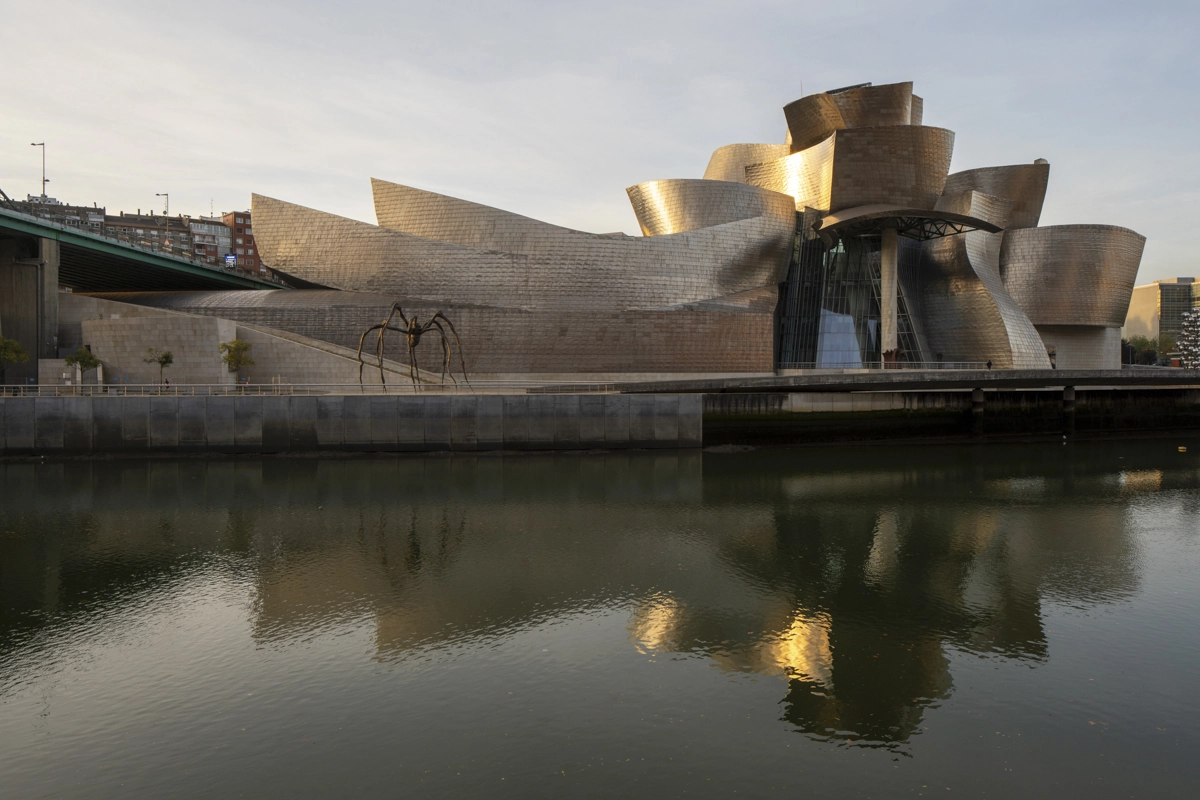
{"points": [[48, 298], [29, 301]]}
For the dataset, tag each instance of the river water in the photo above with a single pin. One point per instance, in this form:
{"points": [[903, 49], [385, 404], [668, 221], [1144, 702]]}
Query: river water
{"points": [[986, 620]]}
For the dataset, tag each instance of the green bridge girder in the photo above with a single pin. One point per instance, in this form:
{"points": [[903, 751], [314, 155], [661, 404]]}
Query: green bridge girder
{"points": [[94, 263]]}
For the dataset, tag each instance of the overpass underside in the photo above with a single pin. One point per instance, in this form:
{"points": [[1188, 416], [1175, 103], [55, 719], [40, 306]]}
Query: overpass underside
{"points": [[38, 258]]}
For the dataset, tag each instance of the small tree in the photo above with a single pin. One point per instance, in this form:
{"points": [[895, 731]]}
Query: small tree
{"points": [[164, 358], [1189, 339], [82, 358], [11, 353], [236, 355]]}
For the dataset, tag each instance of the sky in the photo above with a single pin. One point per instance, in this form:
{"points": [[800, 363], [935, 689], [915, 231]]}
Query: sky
{"points": [[551, 109]]}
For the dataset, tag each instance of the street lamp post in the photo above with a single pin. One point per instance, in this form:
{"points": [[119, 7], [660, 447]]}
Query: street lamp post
{"points": [[166, 202], [45, 180]]}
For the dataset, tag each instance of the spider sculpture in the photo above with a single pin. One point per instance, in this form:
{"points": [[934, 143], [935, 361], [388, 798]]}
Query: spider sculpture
{"points": [[413, 329]]}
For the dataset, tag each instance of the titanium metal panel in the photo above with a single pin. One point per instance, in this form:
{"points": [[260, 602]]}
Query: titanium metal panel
{"points": [[806, 176], [904, 165], [682, 205], [1072, 274], [966, 313], [729, 163], [1022, 184], [811, 120], [553, 268], [875, 106]]}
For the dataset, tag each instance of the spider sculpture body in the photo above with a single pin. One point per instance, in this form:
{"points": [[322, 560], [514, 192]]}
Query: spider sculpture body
{"points": [[413, 329]]}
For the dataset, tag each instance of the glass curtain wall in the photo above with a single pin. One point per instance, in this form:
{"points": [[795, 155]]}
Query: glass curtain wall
{"points": [[829, 310]]}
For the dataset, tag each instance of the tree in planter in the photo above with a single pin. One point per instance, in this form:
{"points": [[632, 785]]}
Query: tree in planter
{"points": [[11, 353], [236, 355], [164, 358], [82, 358]]}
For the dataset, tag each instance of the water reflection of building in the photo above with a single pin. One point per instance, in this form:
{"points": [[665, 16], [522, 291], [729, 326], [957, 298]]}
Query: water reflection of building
{"points": [[851, 585]]}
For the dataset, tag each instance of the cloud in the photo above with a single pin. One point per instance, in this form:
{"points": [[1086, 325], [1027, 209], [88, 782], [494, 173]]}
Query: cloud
{"points": [[552, 109]]}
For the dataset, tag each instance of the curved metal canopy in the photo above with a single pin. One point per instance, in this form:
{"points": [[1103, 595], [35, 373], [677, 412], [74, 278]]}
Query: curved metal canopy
{"points": [[914, 223]]}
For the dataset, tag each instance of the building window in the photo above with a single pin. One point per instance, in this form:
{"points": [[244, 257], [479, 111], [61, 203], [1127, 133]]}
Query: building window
{"points": [[241, 251], [239, 241], [250, 251]]}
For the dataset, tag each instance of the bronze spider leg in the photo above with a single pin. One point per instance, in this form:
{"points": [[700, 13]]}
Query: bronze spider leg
{"points": [[384, 328], [414, 369], [462, 362], [361, 363], [445, 352], [379, 348]]}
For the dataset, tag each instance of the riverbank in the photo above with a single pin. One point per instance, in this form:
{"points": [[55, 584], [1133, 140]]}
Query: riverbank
{"points": [[349, 425]]}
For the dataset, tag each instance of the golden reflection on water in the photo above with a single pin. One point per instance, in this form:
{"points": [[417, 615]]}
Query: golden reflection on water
{"points": [[850, 584]]}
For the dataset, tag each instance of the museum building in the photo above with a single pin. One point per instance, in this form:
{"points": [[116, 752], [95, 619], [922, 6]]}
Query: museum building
{"points": [[847, 246]]}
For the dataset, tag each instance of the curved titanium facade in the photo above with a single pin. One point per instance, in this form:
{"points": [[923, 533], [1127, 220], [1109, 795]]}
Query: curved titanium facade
{"points": [[811, 120], [729, 163], [967, 313], [681, 205], [1072, 274], [448, 219], [899, 165], [874, 106], [1023, 184], [554, 267], [902, 165], [807, 176]]}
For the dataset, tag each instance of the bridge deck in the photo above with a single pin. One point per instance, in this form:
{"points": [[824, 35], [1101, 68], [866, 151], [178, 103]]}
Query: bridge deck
{"points": [[94, 263]]}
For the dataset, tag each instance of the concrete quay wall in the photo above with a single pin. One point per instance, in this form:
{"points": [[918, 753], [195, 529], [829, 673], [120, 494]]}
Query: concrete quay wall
{"points": [[345, 423], [823, 417]]}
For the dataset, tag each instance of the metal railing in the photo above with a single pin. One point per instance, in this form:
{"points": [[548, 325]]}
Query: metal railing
{"points": [[289, 389], [874, 365]]}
